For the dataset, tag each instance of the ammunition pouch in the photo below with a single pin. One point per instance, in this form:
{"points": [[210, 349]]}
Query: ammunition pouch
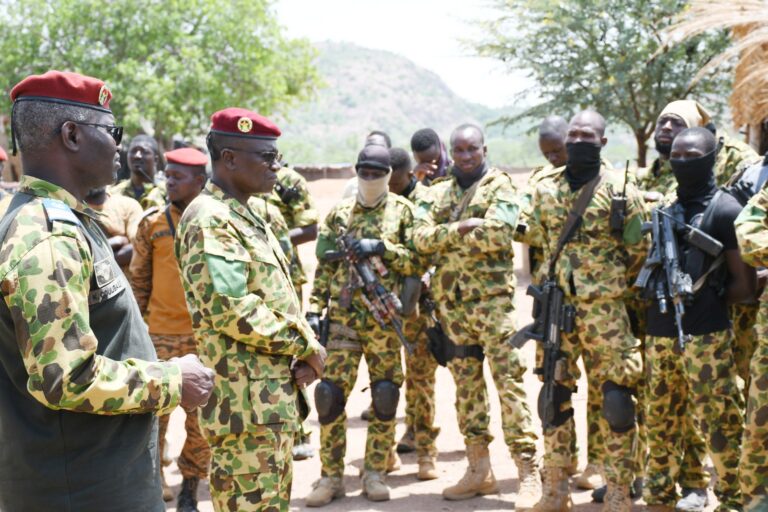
{"points": [[444, 350]]}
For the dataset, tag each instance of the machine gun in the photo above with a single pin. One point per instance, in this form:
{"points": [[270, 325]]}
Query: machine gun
{"points": [[551, 318], [662, 276], [384, 306]]}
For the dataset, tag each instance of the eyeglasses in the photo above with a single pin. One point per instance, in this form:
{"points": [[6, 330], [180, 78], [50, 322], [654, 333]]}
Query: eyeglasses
{"points": [[115, 131], [269, 157]]}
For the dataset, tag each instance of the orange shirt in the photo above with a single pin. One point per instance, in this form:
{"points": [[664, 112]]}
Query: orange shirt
{"points": [[155, 274]]}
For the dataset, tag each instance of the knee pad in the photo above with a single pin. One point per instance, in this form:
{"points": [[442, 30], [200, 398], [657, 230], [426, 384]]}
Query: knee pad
{"points": [[329, 400], [618, 407], [385, 394], [561, 395]]}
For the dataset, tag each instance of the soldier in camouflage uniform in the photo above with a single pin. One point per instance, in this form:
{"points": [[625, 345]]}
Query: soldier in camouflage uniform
{"points": [[466, 224], [156, 282], [143, 158], [752, 234], [247, 320], [592, 271], [702, 382], [81, 379], [421, 365], [380, 223], [552, 133]]}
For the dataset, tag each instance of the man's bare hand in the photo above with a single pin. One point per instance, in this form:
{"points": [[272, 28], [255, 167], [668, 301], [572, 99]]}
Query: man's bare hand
{"points": [[425, 170], [468, 225], [316, 362], [197, 381], [303, 374]]}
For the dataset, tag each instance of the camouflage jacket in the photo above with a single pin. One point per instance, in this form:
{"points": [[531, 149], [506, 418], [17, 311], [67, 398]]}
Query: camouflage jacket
{"points": [[480, 263], [153, 195], [276, 222], [752, 230], [392, 222], [595, 264], [245, 314], [50, 281]]}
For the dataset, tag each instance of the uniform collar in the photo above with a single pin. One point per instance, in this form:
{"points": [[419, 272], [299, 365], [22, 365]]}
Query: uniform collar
{"points": [[47, 190], [234, 205]]}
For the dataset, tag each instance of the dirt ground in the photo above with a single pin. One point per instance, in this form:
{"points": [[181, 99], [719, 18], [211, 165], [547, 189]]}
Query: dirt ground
{"points": [[408, 493]]}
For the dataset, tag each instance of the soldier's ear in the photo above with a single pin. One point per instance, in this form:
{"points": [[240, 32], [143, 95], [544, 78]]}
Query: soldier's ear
{"points": [[228, 157], [70, 136]]}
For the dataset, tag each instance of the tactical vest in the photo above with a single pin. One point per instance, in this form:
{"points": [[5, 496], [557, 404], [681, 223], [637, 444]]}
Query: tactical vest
{"points": [[696, 262], [71, 461]]}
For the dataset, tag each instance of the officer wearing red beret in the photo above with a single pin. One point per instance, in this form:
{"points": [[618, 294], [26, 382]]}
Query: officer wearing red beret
{"points": [[156, 283], [79, 380], [247, 319]]}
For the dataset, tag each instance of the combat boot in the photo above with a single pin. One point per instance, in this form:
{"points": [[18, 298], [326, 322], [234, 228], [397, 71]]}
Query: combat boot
{"points": [[325, 490], [478, 479], [167, 492], [187, 500], [427, 469], [555, 493], [374, 487], [529, 490], [407, 443], [590, 478], [617, 499], [693, 500]]}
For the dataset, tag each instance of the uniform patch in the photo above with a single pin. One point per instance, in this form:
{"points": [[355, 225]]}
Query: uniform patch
{"points": [[228, 276], [104, 272], [244, 124], [59, 211]]}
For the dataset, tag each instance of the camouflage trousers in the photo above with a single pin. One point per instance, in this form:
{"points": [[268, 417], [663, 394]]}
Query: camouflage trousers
{"points": [[195, 454], [602, 337], [252, 472], [691, 472], [347, 345], [702, 384], [489, 322], [754, 456], [420, 387], [743, 318]]}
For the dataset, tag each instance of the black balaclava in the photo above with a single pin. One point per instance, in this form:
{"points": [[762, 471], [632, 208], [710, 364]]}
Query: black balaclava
{"points": [[467, 179], [583, 163], [695, 178]]}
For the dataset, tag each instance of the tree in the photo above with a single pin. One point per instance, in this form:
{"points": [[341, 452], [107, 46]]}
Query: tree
{"points": [[170, 64], [598, 53]]}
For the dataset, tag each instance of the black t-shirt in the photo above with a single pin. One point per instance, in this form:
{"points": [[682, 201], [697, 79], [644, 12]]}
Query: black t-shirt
{"points": [[708, 312]]}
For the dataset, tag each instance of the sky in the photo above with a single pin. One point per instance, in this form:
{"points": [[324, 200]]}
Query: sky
{"points": [[428, 32]]}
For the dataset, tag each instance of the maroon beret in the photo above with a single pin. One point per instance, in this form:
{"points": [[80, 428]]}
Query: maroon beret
{"points": [[64, 87], [239, 122], [186, 156]]}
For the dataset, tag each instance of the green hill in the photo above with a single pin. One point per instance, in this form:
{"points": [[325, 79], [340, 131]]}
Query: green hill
{"points": [[367, 89]]}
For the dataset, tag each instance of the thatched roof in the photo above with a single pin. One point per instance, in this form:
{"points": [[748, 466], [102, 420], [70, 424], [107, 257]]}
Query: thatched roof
{"points": [[748, 22]]}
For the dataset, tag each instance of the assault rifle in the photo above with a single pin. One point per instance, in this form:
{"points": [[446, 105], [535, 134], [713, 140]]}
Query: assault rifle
{"points": [[662, 276], [384, 306]]}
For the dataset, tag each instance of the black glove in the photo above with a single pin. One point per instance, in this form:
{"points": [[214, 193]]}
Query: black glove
{"points": [[313, 319], [366, 247], [287, 194]]}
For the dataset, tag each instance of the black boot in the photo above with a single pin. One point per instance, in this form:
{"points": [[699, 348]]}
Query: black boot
{"points": [[187, 501]]}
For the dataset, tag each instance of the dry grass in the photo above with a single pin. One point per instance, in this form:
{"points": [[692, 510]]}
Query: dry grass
{"points": [[748, 22]]}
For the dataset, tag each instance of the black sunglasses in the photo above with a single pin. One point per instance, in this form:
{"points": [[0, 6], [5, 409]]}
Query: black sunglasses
{"points": [[269, 157], [115, 131]]}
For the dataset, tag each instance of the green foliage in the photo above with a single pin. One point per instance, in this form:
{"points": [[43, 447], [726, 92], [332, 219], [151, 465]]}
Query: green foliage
{"points": [[169, 63], [598, 53]]}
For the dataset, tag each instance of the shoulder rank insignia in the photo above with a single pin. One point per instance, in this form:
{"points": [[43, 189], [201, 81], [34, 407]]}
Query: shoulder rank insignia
{"points": [[58, 211]]}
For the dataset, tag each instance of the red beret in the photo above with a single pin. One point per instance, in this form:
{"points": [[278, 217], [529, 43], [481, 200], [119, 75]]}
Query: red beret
{"points": [[3, 155], [64, 87], [243, 123], [186, 156]]}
